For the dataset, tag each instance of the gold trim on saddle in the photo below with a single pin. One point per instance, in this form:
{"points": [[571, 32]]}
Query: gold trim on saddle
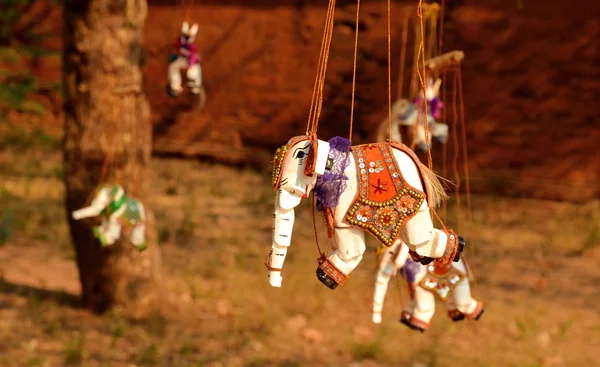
{"points": [[441, 284], [384, 200]]}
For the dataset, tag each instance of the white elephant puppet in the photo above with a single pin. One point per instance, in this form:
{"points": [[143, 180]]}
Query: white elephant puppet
{"points": [[381, 188]]}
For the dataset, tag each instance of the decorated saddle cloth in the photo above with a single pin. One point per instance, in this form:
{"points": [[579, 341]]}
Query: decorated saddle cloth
{"points": [[384, 201], [441, 280]]}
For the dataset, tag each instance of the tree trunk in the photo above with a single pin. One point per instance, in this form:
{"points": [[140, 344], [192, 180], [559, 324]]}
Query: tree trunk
{"points": [[108, 137]]}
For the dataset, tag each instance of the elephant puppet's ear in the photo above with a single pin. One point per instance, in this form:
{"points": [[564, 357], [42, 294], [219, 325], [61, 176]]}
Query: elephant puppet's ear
{"points": [[311, 159]]}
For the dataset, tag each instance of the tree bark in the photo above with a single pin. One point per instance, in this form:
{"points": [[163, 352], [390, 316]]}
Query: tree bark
{"points": [[108, 136]]}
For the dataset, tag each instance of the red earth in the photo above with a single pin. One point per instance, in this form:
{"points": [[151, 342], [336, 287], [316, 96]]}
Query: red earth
{"points": [[530, 74]]}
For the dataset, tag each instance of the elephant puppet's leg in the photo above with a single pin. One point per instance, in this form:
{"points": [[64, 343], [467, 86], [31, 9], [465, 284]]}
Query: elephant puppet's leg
{"points": [[424, 308], [138, 236], [194, 76], [350, 243], [103, 233], [384, 273], [114, 228], [453, 311], [428, 243], [175, 76], [470, 308]]}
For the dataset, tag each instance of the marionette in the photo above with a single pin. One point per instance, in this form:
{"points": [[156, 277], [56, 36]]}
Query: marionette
{"points": [[381, 188], [405, 113], [185, 58], [448, 283], [116, 210]]}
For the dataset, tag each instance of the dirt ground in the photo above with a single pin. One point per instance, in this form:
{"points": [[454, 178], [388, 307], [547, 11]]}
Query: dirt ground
{"points": [[536, 264]]}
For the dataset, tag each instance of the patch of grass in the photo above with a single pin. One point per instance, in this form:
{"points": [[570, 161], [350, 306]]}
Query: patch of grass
{"points": [[117, 333], [188, 348], [564, 328], [20, 140], [35, 362], [74, 352], [6, 225], [149, 355], [363, 351], [156, 325], [592, 240]]}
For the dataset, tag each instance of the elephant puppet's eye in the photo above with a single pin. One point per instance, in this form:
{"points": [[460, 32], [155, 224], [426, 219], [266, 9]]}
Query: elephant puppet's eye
{"points": [[300, 155]]}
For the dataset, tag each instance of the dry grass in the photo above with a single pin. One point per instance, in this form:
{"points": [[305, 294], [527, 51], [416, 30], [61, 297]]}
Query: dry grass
{"points": [[536, 265]]}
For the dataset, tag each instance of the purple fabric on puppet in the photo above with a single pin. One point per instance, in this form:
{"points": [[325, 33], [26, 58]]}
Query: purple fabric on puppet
{"points": [[411, 269], [191, 55], [435, 107], [332, 183]]}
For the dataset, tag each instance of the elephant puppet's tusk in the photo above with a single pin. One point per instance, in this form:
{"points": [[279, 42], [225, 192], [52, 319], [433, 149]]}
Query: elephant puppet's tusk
{"points": [[305, 195]]}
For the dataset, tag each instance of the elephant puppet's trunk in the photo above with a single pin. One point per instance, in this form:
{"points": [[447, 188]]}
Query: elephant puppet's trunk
{"points": [[283, 225]]}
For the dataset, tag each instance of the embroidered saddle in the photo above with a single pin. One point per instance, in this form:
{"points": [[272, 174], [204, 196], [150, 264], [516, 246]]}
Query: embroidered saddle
{"points": [[441, 280], [384, 201]]}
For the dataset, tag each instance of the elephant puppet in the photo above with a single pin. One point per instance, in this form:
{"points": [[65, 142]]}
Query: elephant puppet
{"points": [[381, 188], [449, 283], [116, 209], [405, 113], [186, 57]]}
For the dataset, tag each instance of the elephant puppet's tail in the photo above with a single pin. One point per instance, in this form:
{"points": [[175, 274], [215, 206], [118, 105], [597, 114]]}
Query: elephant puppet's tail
{"points": [[435, 189]]}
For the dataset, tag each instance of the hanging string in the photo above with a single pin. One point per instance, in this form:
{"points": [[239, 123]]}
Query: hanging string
{"points": [[314, 99], [187, 11], [422, 74], [321, 74], [389, 60], [403, 55], [464, 144], [317, 101], [441, 27], [354, 67], [456, 149], [445, 147]]}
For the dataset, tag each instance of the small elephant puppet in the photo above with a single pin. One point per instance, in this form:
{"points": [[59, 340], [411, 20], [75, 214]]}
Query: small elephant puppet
{"points": [[116, 210], [447, 282], [381, 188]]}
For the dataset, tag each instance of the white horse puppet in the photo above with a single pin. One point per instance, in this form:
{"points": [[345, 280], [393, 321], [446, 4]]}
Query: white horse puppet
{"points": [[381, 188], [117, 210], [405, 113], [449, 283]]}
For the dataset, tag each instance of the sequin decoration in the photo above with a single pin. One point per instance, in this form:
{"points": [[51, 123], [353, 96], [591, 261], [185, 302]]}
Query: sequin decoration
{"points": [[385, 201], [441, 284]]}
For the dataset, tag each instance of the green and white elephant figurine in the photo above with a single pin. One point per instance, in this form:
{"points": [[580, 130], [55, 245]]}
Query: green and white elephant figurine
{"points": [[117, 210]]}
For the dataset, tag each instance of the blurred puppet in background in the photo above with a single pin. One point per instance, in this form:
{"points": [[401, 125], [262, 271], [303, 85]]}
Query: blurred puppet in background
{"points": [[117, 210], [405, 113], [449, 283], [186, 57]]}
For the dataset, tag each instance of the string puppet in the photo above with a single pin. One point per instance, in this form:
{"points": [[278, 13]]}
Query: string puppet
{"points": [[117, 210], [186, 58], [447, 282], [381, 188], [405, 113]]}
